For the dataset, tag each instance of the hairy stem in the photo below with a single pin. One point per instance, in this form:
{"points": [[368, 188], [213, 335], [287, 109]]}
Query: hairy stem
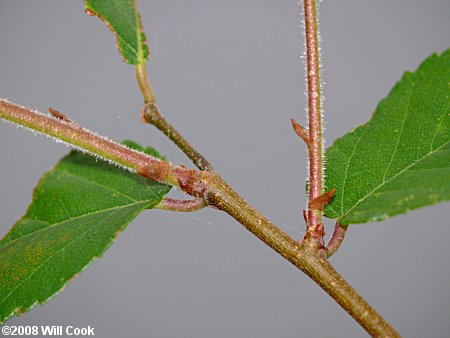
{"points": [[308, 256], [151, 114], [88, 141], [314, 112]]}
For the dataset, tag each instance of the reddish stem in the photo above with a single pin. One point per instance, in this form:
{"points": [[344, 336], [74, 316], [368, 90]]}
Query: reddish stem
{"points": [[314, 112], [181, 205], [336, 239], [62, 128]]}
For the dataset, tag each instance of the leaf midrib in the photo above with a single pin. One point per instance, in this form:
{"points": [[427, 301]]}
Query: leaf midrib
{"points": [[74, 218], [120, 36], [96, 183], [137, 28]]}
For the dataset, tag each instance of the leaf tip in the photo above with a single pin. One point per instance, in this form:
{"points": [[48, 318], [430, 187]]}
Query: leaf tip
{"points": [[132, 50]]}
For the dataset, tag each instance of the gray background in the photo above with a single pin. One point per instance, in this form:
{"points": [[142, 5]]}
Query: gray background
{"points": [[228, 74]]}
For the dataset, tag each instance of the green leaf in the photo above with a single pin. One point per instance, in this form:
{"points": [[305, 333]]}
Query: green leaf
{"points": [[124, 20], [400, 159], [78, 210]]}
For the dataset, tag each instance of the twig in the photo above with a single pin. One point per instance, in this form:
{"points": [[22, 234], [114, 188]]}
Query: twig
{"points": [[151, 114], [181, 205], [314, 115], [87, 141], [336, 239], [305, 256], [216, 192]]}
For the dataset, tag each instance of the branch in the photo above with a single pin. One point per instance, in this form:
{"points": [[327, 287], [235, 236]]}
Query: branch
{"points": [[151, 114], [314, 116], [306, 256]]}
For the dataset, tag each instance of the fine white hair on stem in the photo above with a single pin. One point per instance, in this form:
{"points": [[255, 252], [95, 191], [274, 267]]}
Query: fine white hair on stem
{"points": [[75, 128], [322, 96], [303, 58], [57, 140]]}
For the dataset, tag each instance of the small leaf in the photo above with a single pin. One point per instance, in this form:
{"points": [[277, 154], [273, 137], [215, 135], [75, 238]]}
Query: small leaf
{"points": [[400, 159], [78, 209], [124, 20]]}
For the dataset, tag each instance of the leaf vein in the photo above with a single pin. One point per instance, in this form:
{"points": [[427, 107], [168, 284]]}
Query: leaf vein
{"points": [[401, 131], [74, 218], [97, 184], [346, 170], [390, 179], [52, 256]]}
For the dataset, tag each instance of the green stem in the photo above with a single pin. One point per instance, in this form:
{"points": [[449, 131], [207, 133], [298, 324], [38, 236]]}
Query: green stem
{"points": [[144, 84]]}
